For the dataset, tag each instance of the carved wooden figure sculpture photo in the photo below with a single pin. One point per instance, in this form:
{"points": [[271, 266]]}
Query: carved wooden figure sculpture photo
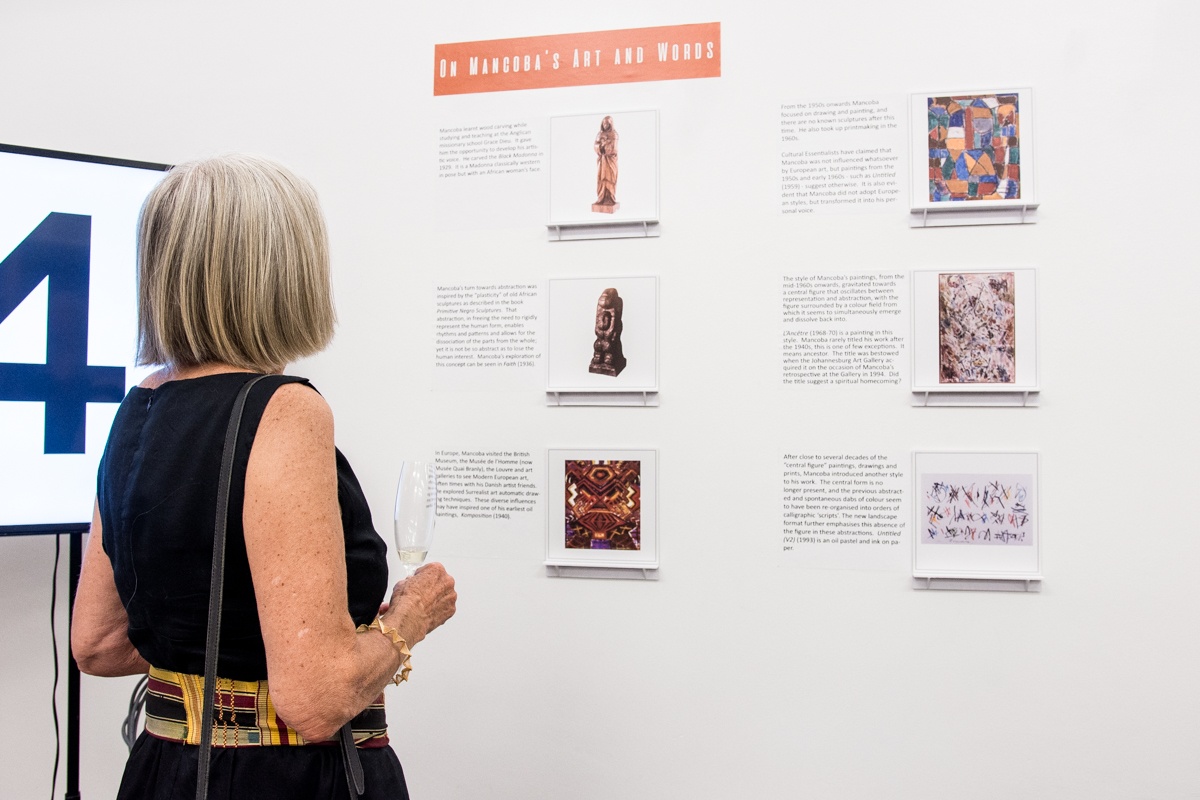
{"points": [[606, 168], [608, 358]]}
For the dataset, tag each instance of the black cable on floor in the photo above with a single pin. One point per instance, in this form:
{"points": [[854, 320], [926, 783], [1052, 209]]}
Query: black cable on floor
{"points": [[54, 641]]}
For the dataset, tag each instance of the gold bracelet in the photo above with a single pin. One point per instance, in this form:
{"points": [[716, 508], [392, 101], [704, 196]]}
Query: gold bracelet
{"points": [[398, 642]]}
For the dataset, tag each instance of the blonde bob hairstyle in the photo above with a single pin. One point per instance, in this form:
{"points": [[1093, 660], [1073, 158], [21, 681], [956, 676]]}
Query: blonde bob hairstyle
{"points": [[233, 267]]}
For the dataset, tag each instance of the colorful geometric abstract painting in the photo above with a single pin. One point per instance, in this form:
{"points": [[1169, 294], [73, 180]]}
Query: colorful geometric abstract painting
{"points": [[603, 505], [974, 147], [977, 509], [977, 327]]}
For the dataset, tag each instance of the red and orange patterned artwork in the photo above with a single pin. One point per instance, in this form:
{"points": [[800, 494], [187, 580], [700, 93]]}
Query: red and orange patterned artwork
{"points": [[603, 505]]}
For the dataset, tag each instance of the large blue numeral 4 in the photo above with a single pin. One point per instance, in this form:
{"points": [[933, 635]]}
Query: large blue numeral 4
{"points": [[58, 248]]}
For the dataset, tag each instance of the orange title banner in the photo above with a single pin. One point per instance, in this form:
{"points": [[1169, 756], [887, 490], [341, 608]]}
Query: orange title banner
{"points": [[670, 53]]}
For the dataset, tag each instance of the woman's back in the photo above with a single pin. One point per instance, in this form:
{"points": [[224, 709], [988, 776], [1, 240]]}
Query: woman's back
{"points": [[157, 490]]}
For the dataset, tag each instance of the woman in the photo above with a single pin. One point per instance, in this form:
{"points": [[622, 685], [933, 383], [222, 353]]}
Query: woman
{"points": [[233, 282]]}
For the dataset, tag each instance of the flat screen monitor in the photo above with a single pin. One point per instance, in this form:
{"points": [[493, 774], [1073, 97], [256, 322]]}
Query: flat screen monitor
{"points": [[68, 326]]}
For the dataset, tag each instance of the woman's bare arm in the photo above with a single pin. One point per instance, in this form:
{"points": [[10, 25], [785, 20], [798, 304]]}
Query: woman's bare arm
{"points": [[321, 670], [99, 625]]}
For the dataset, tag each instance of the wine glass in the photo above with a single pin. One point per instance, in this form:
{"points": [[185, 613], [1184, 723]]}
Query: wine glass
{"points": [[416, 512]]}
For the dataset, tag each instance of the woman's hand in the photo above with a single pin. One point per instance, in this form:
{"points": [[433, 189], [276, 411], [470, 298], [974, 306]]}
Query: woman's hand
{"points": [[421, 603]]}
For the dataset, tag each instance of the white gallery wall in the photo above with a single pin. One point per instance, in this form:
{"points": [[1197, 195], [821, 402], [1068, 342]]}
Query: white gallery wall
{"points": [[737, 673]]}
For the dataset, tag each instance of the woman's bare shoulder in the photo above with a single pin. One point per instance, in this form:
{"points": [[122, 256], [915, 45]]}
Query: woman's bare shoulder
{"points": [[292, 457], [297, 408]]}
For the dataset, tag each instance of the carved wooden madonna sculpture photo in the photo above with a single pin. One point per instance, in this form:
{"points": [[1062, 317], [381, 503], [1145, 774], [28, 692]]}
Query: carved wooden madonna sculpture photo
{"points": [[606, 168]]}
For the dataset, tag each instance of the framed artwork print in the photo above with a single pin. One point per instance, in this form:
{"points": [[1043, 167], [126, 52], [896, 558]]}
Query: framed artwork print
{"points": [[604, 168], [976, 516], [602, 508], [975, 330], [972, 150], [602, 335]]}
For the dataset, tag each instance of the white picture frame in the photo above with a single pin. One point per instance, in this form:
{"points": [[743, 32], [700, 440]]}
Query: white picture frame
{"points": [[571, 319], [1003, 538], [565, 529], [961, 349], [924, 198], [574, 167]]}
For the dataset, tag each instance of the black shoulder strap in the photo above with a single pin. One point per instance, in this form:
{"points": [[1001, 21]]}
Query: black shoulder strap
{"points": [[216, 587], [350, 758], [352, 763]]}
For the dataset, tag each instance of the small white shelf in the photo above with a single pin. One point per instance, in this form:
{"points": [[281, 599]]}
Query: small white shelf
{"points": [[982, 212], [1022, 398], [646, 398], [625, 229], [638, 573], [1031, 583]]}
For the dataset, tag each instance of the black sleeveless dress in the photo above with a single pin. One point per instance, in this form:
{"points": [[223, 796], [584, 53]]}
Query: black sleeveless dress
{"points": [[157, 488]]}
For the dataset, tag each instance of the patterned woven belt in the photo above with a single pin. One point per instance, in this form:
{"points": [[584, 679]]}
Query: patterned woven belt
{"points": [[243, 714]]}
